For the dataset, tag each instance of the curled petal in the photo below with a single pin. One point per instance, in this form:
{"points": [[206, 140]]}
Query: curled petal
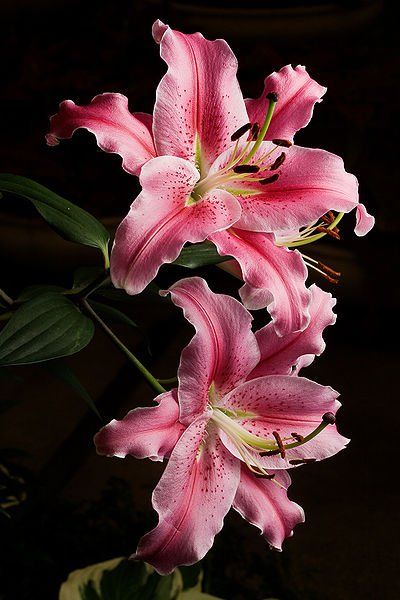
{"points": [[264, 503], [297, 95], [199, 103], [192, 498], [115, 128], [223, 351], [274, 277], [287, 405], [364, 221], [149, 432], [280, 353], [161, 220]]}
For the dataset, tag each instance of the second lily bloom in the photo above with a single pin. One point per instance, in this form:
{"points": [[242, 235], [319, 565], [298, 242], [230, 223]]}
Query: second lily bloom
{"points": [[240, 417]]}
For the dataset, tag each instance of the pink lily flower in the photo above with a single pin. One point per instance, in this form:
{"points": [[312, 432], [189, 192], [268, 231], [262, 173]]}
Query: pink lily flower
{"points": [[215, 166], [240, 417]]}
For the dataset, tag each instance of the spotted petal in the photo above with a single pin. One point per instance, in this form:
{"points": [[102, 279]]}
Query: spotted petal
{"points": [[222, 352], [274, 277], [192, 498], [149, 432], [309, 183], [115, 128], [199, 104], [280, 353], [297, 95], [162, 219], [264, 503], [286, 405]]}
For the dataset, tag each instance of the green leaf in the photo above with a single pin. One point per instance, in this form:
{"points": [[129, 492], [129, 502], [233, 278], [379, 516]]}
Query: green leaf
{"points": [[70, 221], [120, 579], [199, 255], [33, 291], [63, 372], [48, 326], [196, 595]]}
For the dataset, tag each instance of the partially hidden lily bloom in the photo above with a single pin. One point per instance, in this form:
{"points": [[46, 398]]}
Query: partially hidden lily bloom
{"points": [[215, 166], [240, 417]]}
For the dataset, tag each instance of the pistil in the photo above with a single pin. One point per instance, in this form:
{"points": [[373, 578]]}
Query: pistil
{"points": [[246, 441]]}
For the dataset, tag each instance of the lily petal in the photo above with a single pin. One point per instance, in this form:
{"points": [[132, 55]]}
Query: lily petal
{"points": [[310, 183], [149, 432], [192, 498], [161, 220], [297, 95], [286, 404], [274, 277], [199, 104], [364, 221], [223, 351], [115, 128], [264, 503], [280, 353]]}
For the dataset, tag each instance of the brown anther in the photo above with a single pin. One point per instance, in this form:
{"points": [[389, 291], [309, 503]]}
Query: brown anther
{"points": [[328, 270], [269, 179], [328, 218], [270, 453], [283, 143], [272, 96], [298, 437], [302, 461], [246, 169], [279, 442], [329, 418], [329, 232], [241, 131], [264, 476], [279, 161], [255, 130], [330, 279]]}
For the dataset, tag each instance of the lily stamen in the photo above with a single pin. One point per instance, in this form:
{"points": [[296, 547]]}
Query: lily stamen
{"points": [[246, 169], [270, 179], [241, 131], [278, 162], [247, 442]]}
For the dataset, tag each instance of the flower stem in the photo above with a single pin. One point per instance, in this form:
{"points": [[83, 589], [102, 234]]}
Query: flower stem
{"points": [[169, 381], [6, 297], [157, 387], [99, 282]]}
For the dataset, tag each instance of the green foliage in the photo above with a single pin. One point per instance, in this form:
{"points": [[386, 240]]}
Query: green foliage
{"points": [[200, 255], [122, 579], [63, 372], [70, 221], [45, 327]]}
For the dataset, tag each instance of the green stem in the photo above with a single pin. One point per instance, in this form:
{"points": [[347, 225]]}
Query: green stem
{"points": [[6, 297], [169, 381], [157, 387], [99, 282]]}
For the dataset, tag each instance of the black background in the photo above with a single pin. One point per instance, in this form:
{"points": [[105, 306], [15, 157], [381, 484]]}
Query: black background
{"points": [[82, 508]]}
